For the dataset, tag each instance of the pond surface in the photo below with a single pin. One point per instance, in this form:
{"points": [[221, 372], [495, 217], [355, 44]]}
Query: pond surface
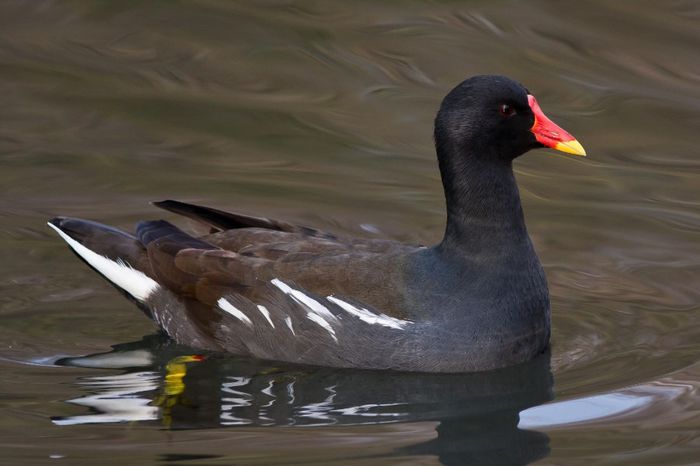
{"points": [[321, 113]]}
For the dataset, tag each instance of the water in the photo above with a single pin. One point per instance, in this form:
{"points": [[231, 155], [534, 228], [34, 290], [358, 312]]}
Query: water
{"points": [[321, 114]]}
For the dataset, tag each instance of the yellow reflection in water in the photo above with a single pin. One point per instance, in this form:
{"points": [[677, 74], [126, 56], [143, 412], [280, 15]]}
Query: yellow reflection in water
{"points": [[173, 389]]}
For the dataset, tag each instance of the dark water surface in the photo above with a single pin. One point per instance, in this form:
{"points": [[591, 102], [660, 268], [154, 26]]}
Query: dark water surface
{"points": [[320, 113]]}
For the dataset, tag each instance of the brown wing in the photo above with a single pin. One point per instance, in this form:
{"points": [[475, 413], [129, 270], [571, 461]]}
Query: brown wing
{"points": [[246, 258]]}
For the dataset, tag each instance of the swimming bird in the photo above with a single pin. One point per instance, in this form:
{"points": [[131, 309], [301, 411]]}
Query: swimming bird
{"points": [[273, 290]]}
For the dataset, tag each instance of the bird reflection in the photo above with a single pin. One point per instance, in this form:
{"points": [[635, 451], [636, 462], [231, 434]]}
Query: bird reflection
{"points": [[172, 391], [162, 382]]}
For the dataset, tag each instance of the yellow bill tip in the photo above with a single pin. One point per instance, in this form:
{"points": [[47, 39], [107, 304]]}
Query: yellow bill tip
{"points": [[571, 147]]}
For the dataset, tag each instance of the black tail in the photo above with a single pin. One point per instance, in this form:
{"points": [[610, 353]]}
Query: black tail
{"points": [[102, 239]]}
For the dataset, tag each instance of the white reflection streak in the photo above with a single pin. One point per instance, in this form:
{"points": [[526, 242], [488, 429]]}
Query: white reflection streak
{"points": [[596, 407], [268, 391], [230, 403], [290, 392], [116, 400], [320, 411], [365, 410]]}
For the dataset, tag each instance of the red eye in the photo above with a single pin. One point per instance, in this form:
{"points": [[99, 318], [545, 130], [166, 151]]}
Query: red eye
{"points": [[506, 110]]}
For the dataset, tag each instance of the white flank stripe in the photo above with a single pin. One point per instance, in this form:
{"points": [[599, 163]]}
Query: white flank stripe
{"points": [[316, 312], [323, 323], [301, 298], [288, 321], [235, 312], [370, 317], [136, 283], [263, 310]]}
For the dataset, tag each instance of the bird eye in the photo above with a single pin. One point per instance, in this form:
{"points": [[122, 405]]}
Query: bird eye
{"points": [[506, 110]]}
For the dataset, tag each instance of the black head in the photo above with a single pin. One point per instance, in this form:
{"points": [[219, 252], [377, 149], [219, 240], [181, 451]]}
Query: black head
{"points": [[496, 118], [486, 116]]}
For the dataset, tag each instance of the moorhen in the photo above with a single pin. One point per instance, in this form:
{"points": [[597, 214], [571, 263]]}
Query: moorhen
{"points": [[273, 290]]}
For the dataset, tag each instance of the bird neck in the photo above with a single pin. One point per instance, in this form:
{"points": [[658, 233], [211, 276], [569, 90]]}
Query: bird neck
{"points": [[484, 214]]}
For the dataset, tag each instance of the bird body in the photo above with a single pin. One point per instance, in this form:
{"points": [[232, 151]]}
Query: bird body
{"points": [[272, 290]]}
